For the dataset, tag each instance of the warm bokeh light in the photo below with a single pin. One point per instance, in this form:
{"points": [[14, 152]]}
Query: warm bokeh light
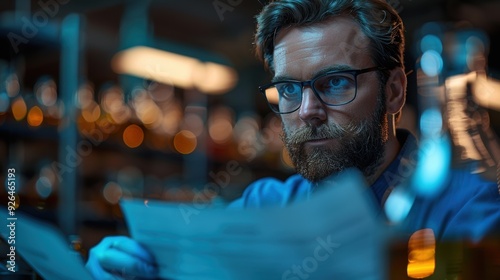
{"points": [[486, 91], [171, 119], [113, 102], [46, 92], [148, 112], [185, 142], [161, 92], [220, 130], [272, 95], [19, 109], [220, 125], [12, 85], [458, 119], [133, 136], [91, 112], [171, 68], [246, 132], [121, 115], [17, 201], [421, 254], [194, 123], [35, 116], [215, 78], [245, 124], [156, 65], [285, 158], [111, 99], [87, 128], [106, 126], [112, 192], [54, 113], [85, 96]]}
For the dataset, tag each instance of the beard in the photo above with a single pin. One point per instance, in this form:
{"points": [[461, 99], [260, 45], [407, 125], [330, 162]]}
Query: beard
{"points": [[360, 145]]}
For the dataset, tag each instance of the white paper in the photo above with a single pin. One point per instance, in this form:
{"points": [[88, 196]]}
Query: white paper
{"points": [[44, 248], [333, 235]]}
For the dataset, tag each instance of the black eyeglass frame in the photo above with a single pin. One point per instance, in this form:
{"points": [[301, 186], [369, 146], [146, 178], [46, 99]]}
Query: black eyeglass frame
{"points": [[310, 83]]}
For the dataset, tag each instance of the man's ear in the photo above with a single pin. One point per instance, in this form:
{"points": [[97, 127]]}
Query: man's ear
{"points": [[395, 90]]}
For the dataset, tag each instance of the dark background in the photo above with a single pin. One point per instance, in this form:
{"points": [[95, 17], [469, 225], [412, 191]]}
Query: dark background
{"points": [[196, 28]]}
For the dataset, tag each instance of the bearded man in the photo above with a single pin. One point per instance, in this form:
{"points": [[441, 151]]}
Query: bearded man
{"points": [[339, 85]]}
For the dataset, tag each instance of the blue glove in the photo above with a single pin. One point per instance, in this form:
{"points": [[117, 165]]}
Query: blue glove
{"points": [[120, 257]]}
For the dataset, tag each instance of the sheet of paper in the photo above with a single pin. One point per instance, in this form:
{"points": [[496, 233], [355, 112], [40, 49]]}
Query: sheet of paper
{"points": [[43, 247], [334, 234]]}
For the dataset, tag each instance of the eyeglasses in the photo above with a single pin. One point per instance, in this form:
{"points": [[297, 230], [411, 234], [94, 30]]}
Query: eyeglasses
{"points": [[332, 89]]}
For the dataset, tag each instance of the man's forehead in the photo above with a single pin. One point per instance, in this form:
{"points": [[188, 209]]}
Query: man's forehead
{"points": [[341, 22], [338, 40]]}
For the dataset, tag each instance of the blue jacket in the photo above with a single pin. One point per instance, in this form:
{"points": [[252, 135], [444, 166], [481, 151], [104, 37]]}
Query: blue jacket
{"points": [[468, 207]]}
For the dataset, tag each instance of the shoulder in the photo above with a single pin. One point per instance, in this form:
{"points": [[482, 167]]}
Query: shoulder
{"points": [[273, 192], [468, 208], [477, 209], [471, 192], [470, 184]]}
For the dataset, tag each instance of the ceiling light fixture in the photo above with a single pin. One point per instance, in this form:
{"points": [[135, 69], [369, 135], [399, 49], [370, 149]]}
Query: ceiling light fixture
{"points": [[178, 70]]}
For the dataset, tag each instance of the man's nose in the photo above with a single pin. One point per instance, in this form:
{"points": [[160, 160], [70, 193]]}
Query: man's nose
{"points": [[311, 110]]}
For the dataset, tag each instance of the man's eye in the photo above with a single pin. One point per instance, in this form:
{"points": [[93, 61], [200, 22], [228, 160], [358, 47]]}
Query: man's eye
{"points": [[338, 82], [335, 84], [289, 90]]}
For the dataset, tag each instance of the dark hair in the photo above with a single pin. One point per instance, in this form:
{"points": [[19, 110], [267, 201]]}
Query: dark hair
{"points": [[377, 19]]}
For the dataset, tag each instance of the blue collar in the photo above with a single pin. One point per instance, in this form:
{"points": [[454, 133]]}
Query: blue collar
{"points": [[400, 169]]}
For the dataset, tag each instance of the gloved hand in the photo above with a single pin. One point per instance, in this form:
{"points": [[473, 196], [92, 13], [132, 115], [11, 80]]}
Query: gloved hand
{"points": [[120, 257]]}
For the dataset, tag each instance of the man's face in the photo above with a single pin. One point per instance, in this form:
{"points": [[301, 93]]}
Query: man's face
{"points": [[325, 139]]}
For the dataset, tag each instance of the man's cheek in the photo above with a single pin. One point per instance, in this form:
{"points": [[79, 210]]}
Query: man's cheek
{"points": [[288, 126]]}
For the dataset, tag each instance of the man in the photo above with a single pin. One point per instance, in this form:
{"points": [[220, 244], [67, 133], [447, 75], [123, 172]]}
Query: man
{"points": [[339, 85]]}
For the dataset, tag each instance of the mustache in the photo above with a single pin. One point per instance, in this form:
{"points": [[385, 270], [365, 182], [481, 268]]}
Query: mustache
{"points": [[325, 131]]}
